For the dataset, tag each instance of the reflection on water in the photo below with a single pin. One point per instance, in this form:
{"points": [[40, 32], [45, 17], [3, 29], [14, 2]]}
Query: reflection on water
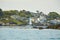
{"points": [[29, 34]]}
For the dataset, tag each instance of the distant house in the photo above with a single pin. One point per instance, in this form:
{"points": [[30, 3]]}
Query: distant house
{"points": [[39, 17], [17, 17], [55, 21], [2, 23], [12, 23], [58, 20], [40, 20]]}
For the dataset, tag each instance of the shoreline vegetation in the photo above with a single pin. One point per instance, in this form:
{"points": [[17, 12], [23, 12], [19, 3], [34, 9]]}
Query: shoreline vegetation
{"points": [[22, 18]]}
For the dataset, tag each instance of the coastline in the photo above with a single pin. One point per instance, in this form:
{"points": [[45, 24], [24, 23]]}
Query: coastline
{"points": [[26, 28]]}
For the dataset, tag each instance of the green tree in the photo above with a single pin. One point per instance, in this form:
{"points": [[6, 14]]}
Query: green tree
{"points": [[1, 13], [10, 12], [24, 13], [13, 12], [53, 15]]}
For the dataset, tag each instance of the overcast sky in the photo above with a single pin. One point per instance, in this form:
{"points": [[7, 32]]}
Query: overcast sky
{"points": [[31, 5]]}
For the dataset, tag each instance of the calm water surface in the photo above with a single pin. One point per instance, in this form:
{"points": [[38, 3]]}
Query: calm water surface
{"points": [[29, 34]]}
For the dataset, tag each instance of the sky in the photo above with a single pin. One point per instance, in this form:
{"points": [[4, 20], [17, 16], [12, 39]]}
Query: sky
{"points": [[45, 6]]}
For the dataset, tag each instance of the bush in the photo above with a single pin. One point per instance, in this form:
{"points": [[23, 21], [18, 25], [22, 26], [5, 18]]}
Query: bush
{"points": [[54, 26]]}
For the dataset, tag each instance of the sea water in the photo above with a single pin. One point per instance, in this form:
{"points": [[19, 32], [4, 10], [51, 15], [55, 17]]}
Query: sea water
{"points": [[29, 34]]}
